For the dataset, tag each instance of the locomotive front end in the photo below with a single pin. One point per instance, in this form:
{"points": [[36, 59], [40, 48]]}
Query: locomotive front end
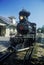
{"points": [[26, 30]]}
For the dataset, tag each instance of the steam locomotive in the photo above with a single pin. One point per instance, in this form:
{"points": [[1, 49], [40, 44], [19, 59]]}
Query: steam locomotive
{"points": [[26, 35], [23, 40]]}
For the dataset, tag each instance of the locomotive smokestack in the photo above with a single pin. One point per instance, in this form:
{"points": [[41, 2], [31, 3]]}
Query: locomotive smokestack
{"points": [[23, 12]]}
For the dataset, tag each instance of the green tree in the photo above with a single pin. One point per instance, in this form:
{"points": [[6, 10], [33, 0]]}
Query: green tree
{"points": [[39, 30], [42, 30]]}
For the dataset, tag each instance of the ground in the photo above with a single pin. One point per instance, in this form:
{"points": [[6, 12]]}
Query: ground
{"points": [[4, 43], [38, 54]]}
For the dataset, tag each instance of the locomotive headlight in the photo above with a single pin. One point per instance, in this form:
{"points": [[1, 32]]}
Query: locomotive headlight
{"points": [[21, 17]]}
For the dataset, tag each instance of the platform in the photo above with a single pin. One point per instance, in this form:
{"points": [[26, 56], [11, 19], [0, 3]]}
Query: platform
{"points": [[4, 45]]}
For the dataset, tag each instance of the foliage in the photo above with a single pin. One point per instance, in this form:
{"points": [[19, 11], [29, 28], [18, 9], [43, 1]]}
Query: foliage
{"points": [[40, 30]]}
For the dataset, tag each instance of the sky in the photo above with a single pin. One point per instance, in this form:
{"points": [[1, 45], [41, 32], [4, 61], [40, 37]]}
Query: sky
{"points": [[35, 7]]}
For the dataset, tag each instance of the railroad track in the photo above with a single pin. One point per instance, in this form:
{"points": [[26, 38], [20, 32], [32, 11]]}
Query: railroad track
{"points": [[4, 55], [9, 52]]}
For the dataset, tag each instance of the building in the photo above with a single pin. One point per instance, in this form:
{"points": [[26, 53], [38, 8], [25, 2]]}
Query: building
{"points": [[7, 26]]}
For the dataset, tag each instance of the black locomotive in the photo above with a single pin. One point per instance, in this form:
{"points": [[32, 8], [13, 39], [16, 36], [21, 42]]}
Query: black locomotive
{"points": [[26, 35]]}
